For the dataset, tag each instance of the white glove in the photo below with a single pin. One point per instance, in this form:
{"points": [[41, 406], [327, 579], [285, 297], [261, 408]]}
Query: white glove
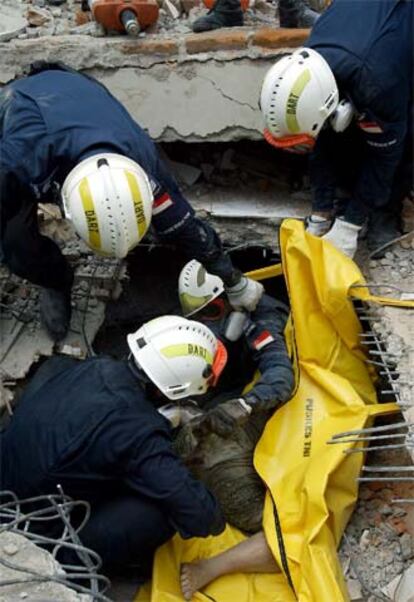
{"points": [[344, 236], [245, 294], [316, 225]]}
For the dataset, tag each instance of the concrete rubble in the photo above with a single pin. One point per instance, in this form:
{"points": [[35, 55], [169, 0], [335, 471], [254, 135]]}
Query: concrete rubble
{"points": [[24, 563], [24, 341], [175, 17], [12, 21]]}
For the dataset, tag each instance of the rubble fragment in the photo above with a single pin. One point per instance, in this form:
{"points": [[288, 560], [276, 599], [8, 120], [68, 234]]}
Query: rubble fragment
{"points": [[19, 559], [12, 21]]}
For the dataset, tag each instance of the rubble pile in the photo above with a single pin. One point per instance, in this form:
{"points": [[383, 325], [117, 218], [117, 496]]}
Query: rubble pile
{"points": [[378, 546], [32, 573], [175, 17], [97, 279]]}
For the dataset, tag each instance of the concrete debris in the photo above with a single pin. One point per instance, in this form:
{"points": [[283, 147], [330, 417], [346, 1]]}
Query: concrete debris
{"points": [[24, 341], [354, 590], [176, 16], [12, 21], [171, 9], [37, 17], [185, 174], [19, 558], [378, 542], [401, 589]]}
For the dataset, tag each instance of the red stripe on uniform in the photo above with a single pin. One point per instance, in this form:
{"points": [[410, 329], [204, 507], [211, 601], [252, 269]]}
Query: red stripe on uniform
{"points": [[164, 197]]}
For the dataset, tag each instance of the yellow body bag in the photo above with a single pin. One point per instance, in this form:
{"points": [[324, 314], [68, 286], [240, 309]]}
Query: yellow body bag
{"points": [[311, 486]]}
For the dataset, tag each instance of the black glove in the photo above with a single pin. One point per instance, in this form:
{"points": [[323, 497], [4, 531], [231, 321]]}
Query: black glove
{"points": [[224, 418]]}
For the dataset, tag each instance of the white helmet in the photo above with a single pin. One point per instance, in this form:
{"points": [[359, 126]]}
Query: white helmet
{"points": [[196, 287], [298, 94], [108, 198], [181, 357]]}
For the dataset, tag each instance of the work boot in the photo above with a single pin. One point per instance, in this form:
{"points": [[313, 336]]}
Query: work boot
{"points": [[382, 229], [225, 13], [296, 13], [55, 312]]}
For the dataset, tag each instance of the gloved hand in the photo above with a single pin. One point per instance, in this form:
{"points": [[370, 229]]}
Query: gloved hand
{"points": [[344, 236], [245, 294], [224, 418]]}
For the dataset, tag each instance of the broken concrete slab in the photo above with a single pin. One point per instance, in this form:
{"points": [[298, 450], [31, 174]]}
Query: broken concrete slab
{"points": [[186, 73], [401, 589], [12, 21], [19, 559]]}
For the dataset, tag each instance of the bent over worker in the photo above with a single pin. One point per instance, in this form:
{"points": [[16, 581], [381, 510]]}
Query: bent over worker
{"points": [[254, 341], [92, 429], [63, 132], [347, 96]]}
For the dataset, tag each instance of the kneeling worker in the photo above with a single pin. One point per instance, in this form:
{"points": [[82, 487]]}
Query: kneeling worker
{"points": [[92, 428], [64, 136]]}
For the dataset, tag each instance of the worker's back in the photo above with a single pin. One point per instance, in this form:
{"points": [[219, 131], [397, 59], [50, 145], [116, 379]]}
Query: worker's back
{"points": [[52, 119], [76, 429], [368, 45]]}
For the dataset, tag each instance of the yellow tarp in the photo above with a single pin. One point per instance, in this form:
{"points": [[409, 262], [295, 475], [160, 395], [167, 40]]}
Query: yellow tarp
{"points": [[311, 485]]}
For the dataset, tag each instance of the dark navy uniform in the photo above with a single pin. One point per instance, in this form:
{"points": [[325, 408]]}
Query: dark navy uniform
{"points": [[368, 46], [49, 122], [261, 347], [90, 428]]}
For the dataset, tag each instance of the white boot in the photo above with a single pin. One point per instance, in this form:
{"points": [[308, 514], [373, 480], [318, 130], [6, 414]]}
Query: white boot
{"points": [[317, 225], [344, 236]]}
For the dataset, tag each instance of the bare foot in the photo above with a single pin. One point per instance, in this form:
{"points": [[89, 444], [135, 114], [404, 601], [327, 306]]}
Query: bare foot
{"points": [[194, 576]]}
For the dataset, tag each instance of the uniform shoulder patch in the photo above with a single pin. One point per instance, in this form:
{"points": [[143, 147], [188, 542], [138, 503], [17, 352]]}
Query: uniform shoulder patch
{"points": [[262, 340], [370, 127], [161, 203]]}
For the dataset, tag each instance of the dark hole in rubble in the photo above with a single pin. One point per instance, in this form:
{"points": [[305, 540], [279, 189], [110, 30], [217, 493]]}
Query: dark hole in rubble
{"points": [[151, 291]]}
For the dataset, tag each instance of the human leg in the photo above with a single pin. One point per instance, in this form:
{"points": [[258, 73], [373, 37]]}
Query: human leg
{"points": [[252, 555]]}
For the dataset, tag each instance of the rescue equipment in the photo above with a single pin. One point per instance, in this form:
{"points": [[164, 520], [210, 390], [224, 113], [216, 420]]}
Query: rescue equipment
{"points": [[108, 198], [311, 486], [181, 357], [124, 15], [298, 95]]}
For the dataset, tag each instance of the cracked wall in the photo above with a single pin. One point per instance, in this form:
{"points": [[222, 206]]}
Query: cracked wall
{"points": [[175, 102], [192, 88]]}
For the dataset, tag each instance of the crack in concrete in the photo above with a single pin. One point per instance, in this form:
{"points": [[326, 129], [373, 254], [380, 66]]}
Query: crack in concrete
{"points": [[217, 87]]}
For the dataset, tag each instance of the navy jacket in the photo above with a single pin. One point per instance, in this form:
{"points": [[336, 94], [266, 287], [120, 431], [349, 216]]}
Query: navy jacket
{"points": [[369, 46], [90, 429], [262, 347], [52, 120]]}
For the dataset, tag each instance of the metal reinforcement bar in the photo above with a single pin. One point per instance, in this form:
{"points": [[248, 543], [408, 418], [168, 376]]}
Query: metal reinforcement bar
{"points": [[29, 518]]}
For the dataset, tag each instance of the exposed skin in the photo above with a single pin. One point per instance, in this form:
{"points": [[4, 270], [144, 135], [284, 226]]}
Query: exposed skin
{"points": [[252, 555]]}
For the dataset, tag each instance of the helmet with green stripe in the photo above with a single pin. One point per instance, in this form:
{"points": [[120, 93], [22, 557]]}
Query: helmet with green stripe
{"points": [[181, 357], [298, 95], [108, 198], [197, 288]]}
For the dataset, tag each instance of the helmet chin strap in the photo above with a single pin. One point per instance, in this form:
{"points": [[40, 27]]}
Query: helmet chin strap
{"points": [[341, 118]]}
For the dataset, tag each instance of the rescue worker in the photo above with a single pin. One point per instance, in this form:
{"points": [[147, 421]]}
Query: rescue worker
{"points": [[92, 429], [253, 341], [62, 130], [351, 85], [218, 445], [229, 13]]}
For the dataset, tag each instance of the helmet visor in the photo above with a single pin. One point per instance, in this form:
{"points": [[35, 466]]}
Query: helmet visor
{"points": [[219, 363], [299, 143]]}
